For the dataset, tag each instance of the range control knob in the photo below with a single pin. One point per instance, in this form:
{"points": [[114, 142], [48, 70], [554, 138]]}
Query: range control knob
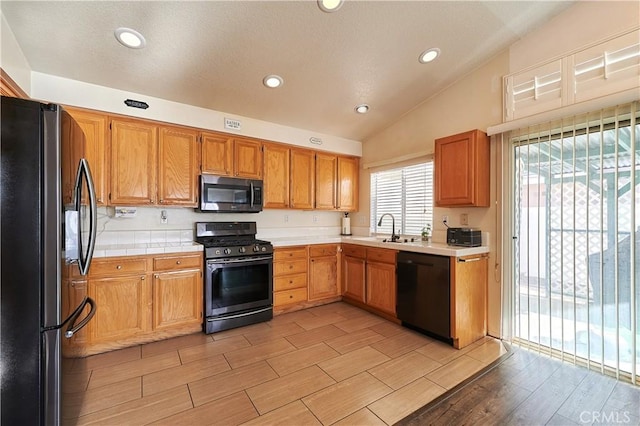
{"points": [[218, 251], [264, 249], [227, 251], [256, 248], [242, 250]]}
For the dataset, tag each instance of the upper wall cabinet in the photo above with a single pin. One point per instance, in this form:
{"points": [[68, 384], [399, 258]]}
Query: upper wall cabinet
{"points": [[302, 179], [461, 174], [226, 155], [276, 176], [326, 181], [153, 165], [347, 184], [133, 162], [95, 127], [178, 166]]}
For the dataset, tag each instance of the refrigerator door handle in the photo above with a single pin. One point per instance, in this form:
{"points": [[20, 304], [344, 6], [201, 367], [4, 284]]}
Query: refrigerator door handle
{"points": [[73, 328], [85, 260]]}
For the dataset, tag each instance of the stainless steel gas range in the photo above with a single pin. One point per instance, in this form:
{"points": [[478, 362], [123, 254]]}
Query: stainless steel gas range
{"points": [[238, 279]]}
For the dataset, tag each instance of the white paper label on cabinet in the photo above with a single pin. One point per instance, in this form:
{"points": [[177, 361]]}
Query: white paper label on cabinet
{"points": [[232, 124]]}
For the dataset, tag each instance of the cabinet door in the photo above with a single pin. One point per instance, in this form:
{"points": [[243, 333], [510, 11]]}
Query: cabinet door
{"points": [[217, 154], [177, 166], [177, 299], [96, 133], [468, 299], [247, 158], [276, 176], [73, 149], [302, 179], [381, 286], [353, 275], [323, 277], [326, 178], [123, 307], [348, 183], [133, 163], [461, 172]]}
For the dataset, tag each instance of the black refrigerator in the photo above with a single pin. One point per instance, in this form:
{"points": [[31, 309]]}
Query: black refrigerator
{"points": [[47, 220]]}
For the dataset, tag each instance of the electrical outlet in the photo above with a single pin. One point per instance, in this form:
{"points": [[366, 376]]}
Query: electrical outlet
{"points": [[445, 219], [315, 218], [163, 217], [286, 218], [464, 219]]}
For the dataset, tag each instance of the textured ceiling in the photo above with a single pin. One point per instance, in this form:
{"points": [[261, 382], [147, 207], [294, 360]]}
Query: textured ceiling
{"points": [[214, 54]]}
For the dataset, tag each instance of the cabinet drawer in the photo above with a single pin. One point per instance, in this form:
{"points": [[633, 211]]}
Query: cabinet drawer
{"points": [[290, 296], [323, 250], [118, 266], [354, 251], [289, 253], [170, 263], [289, 267], [381, 255], [289, 282]]}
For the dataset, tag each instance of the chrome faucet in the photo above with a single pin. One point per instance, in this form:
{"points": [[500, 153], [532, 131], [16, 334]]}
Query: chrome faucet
{"points": [[394, 237]]}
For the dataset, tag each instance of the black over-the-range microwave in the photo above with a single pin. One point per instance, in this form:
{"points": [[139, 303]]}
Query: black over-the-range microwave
{"points": [[224, 194]]}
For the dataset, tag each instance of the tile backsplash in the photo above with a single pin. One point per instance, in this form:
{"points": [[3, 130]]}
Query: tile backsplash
{"points": [[146, 226]]}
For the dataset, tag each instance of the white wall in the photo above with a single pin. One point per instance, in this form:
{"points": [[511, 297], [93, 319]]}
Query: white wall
{"points": [[77, 93], [12, 59]]}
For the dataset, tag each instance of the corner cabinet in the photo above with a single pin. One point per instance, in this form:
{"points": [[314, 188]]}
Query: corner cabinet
{"points": [[461, 173]]}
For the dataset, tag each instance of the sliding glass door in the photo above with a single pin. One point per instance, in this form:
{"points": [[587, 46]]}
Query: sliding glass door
{"points": [[576, 217]]}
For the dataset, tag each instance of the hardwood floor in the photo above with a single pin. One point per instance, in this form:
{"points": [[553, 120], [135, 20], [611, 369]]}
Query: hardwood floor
{"points": [[531, 389], [332, 364]]}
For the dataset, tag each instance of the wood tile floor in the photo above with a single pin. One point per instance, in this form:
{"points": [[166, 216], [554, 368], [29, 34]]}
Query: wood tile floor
{"points": [[332, 364]]}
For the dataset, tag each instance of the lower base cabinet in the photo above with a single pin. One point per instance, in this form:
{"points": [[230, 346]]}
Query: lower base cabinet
{"points": [[138, 299], [323, 271]]}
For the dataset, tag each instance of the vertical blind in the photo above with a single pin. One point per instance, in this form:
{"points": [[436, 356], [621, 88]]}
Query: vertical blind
{"points": [[406, 193], [576, 216]]}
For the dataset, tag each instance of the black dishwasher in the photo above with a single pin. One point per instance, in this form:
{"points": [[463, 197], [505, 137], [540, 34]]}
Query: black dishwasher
{"points": [[424, 294]]}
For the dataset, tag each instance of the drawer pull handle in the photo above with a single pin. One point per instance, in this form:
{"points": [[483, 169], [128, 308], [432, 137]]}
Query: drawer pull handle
{"points": [[119, 267]]}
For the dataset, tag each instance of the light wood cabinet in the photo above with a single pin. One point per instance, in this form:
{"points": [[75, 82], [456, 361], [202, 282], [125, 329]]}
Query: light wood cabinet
{"points": [[138, 299], [461, 170], [354, 272], [302, 179], [247, 158], [381, 280], [347, 184], [227, 155], [74, 146], [123, 307], [369, 277], [276, 176], [469, 275], [289, 275], [326, 181], [95, 127], [323, 271], [133, 163], [178, 166]]}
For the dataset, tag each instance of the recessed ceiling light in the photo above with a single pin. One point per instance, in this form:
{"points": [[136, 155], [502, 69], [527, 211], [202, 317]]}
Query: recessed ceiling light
{"points": [[272, 81], [429, 55], [362, 108], [329, 5], [130, 38]]}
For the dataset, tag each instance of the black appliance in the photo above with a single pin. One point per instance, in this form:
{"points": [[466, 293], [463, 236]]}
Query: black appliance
{"points": [[238, 281], [40, 144], [424, 294], [464, 237], [230, 195]]}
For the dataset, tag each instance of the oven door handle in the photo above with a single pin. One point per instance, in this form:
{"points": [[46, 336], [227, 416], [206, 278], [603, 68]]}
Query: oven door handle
{"points": [[244, 314], [240, 260]]}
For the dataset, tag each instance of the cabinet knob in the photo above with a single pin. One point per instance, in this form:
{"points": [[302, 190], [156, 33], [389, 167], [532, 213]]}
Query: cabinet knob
{"points": [[119, 267], [291, 296], [143, 278], [290, 281], [178, 262], [290, 266], [156, 275]]}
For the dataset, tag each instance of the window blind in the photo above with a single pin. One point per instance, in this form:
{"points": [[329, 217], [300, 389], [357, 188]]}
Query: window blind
{"points": [[406, 193]]}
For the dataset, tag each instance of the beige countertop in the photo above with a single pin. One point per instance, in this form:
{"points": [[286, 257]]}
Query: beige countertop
{"points": [[137, 249]]}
